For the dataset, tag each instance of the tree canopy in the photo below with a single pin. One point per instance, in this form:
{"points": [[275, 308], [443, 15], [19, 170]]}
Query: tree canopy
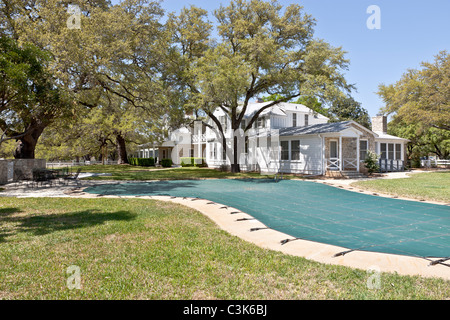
{"points": [[420, 107], [114, 55], [30, 98], [421, 96]]}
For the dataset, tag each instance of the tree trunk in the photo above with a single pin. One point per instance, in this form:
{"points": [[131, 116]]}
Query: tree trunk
{"points": [[235, 167], [122, 157], [27, 144]]}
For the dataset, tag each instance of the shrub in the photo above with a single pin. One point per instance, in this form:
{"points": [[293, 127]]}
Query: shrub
{"points": [[166, 163], [371, 162], [143, 162], [192, 162]]}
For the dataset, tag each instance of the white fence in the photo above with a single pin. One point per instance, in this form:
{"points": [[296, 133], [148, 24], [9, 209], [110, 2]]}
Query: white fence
{"points": [[434, 163], [56, 164]]}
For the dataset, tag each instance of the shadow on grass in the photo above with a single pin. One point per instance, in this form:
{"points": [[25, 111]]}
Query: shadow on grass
{"points": [[4, 212], [38, 225]]}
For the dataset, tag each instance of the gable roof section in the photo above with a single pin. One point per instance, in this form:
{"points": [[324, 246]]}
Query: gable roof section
{"points": [[279, 109], [385, 136], [333, 127]]}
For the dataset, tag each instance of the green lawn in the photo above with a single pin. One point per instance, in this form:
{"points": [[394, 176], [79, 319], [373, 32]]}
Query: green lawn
{"points": [[146, 249], [426, 186]]}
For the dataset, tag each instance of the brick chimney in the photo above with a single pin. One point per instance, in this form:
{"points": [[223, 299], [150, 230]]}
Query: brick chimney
{"points": [[379, 123]]}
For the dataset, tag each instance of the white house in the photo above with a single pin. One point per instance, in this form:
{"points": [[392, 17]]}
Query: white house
{"points": [[290, 138]]}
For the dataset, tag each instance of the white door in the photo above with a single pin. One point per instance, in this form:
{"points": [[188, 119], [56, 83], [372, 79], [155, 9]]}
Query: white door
{"points": [[334, 155]]}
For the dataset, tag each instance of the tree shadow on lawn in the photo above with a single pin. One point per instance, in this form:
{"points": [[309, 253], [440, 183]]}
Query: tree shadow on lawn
{"points": [[44, 224], [4, 212]]}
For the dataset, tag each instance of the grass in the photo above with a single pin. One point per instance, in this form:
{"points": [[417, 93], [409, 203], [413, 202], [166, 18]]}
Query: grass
{"points": [[146, 249], [434, 186]]}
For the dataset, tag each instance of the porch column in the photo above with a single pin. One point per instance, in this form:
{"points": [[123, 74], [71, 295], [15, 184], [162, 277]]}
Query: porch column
{"points": [[340, 153], [357, 154], [322, 156]]}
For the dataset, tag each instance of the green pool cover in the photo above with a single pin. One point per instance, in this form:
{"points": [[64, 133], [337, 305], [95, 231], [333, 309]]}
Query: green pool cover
{"points": [[317, 212]]}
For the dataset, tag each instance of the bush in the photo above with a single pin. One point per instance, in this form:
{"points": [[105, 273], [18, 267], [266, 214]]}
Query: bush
{"points": [[192, 162], [415, 163], [166, 163], [371, 162], [143, 162]]}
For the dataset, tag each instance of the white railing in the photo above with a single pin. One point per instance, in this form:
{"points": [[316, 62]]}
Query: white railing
{"points": [[350, 164], [199, 138], [389, 165], [333, 164]]}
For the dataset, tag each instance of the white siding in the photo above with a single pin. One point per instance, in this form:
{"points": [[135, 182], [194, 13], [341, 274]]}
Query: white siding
{"points": [[310, 154], [310, 157]]}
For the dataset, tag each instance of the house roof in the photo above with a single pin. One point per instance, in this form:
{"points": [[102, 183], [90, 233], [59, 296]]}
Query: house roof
{"points": [[382, 135], [316, 128], [278, 109]]}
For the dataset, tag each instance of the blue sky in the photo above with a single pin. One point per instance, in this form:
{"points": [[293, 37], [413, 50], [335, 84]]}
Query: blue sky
{"points": [[411, 32]]}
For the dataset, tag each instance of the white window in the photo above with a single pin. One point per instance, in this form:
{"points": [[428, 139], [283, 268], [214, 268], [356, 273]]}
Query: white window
{"points": [[306, 119], [243, 124], [334, 153], [294, 119], [383, 150], [391, 151], [284, 150], [223, 122], [363, 147], [246, 144], [398, 151], [295, 150], [261, 122]]}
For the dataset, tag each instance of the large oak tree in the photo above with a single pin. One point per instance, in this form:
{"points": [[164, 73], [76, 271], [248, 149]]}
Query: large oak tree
{"points": [[113, 55], [262, 49], [30, 98], [421, 96]]}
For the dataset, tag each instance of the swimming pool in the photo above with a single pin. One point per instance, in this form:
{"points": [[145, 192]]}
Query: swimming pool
{"points": [[317, 212]]}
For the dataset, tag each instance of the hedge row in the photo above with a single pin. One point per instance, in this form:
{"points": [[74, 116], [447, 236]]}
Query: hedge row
{"points": [[166, 163], [143, 162], [192, 162]]}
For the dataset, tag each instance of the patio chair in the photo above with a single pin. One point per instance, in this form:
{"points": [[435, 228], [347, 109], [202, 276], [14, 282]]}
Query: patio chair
{"points": [[74, 177], [41, 176], [60, 174], [21, 177]]}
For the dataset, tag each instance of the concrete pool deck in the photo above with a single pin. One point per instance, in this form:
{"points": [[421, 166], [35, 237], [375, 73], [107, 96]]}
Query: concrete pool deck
{"points": [[240, 224]]}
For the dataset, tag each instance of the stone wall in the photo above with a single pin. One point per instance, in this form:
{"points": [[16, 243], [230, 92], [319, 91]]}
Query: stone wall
{"points": [[349, 148], [25, 166], [3, 171], [379, 124]]}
